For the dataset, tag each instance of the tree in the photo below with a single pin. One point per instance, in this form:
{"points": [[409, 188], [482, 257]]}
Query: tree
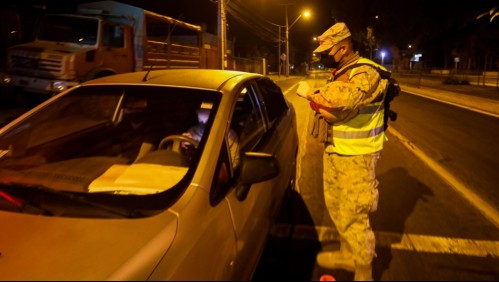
{"points": [[371, 41]]}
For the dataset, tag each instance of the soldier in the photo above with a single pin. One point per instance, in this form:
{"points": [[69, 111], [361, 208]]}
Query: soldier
{"points": [[349, 120]]}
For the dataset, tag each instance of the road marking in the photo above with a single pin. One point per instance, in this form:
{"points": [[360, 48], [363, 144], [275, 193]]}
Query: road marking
{"points": [[395, 241], [290, 88], [485, 208]]}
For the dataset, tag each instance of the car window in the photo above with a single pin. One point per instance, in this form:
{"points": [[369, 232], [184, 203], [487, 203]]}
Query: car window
{"points": [[246, 130], [247, 120], [113, 36], [227, 166], [249, 125], [106, 139], [222, 180], [273, 98]]}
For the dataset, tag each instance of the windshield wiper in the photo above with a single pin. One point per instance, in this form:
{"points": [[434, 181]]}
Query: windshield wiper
{"points": [[63, 194], [24, 205]]}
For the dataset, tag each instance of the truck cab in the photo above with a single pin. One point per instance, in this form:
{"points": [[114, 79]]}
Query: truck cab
{"points": [[101, 38], [69, 49]]}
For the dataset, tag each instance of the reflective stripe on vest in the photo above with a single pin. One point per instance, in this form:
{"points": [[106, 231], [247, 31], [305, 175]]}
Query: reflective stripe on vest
{"points": [[363, 134]]}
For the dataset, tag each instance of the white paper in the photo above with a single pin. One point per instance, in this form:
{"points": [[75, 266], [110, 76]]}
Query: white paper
{"points": [[303, 89]]}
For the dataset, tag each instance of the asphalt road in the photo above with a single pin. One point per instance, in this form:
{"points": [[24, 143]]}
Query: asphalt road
{"points": [[425, 229]]}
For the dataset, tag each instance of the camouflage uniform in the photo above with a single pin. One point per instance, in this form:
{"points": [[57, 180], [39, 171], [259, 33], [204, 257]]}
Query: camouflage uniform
{"points": [[350, 193], [350, 185]]}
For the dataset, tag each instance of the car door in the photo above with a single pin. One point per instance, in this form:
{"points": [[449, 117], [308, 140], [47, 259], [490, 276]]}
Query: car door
{"points": [[117, 48], [282, 128], [253, 216]]}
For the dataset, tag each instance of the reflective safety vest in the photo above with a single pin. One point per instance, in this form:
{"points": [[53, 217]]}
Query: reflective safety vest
{"points": [[364, 133]]}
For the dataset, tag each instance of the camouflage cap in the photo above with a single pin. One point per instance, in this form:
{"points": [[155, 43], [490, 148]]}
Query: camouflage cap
{"points": [[332, 36]]}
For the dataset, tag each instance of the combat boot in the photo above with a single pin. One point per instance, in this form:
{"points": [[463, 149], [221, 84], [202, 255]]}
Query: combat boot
{"points": [[342, 259], [363, 273]]}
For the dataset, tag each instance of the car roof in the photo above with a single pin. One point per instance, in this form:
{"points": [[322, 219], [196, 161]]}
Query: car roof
{"points": [[212, 79]]}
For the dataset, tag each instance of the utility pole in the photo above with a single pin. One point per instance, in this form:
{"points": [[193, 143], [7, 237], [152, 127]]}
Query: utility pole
{"points": [[280, 59], [288, 27], [287, 43], [279, 53], [222, 23]]}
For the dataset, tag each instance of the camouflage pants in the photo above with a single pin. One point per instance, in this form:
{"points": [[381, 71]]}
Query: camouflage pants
{"points": [[350, 193]]}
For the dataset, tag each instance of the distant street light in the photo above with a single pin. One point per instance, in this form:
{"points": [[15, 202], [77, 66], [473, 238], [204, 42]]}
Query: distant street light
{"points": [[382, 58], [288, 27]]}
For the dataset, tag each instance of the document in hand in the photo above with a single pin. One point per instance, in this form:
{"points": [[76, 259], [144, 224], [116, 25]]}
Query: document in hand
{"points": [[303, 89]]}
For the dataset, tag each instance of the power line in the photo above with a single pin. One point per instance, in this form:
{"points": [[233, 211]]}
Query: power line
{"points": [[259, 26]]}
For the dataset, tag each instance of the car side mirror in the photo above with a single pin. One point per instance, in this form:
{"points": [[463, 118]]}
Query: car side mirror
{"points": [[256, 167]]}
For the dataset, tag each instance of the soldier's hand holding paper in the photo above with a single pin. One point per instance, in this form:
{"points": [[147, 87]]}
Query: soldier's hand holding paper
{"points": [[303, 89]]}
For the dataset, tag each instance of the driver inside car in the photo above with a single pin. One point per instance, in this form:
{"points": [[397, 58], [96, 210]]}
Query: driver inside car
{"points": [[196, 132]]}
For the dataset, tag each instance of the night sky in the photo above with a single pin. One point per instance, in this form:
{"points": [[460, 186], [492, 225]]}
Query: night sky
{"points": [[398, 22]]}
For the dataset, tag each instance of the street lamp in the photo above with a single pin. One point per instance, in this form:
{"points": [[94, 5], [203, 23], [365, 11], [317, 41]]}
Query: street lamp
{"points": [[288, 27], [382, 57]]}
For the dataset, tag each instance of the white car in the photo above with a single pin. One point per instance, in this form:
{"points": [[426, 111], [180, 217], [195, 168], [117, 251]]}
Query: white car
{"points": [[101, 182]]}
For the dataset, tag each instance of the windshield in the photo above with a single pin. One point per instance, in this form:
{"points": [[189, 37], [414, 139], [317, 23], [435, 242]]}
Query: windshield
{"points": [[119, 140], [69, 29]]}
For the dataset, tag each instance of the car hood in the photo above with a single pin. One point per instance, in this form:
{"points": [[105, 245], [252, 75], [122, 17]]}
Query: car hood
{"points": [[56, 248]]}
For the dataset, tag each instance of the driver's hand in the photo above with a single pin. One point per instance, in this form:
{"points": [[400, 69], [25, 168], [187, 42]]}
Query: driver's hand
{"points": [[183, 144]]}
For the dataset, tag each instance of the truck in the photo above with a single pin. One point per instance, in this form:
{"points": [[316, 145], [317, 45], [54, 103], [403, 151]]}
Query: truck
{"points": [[99, 39]]}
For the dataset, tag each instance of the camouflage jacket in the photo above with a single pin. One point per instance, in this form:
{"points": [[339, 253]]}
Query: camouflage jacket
{"points": [[340, 99]]}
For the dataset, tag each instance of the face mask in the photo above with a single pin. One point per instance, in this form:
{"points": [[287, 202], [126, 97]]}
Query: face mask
{"points": [[328, 60]]}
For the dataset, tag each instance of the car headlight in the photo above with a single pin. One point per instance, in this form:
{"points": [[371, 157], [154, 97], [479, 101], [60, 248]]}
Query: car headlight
{"points": [[58, 86]]}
